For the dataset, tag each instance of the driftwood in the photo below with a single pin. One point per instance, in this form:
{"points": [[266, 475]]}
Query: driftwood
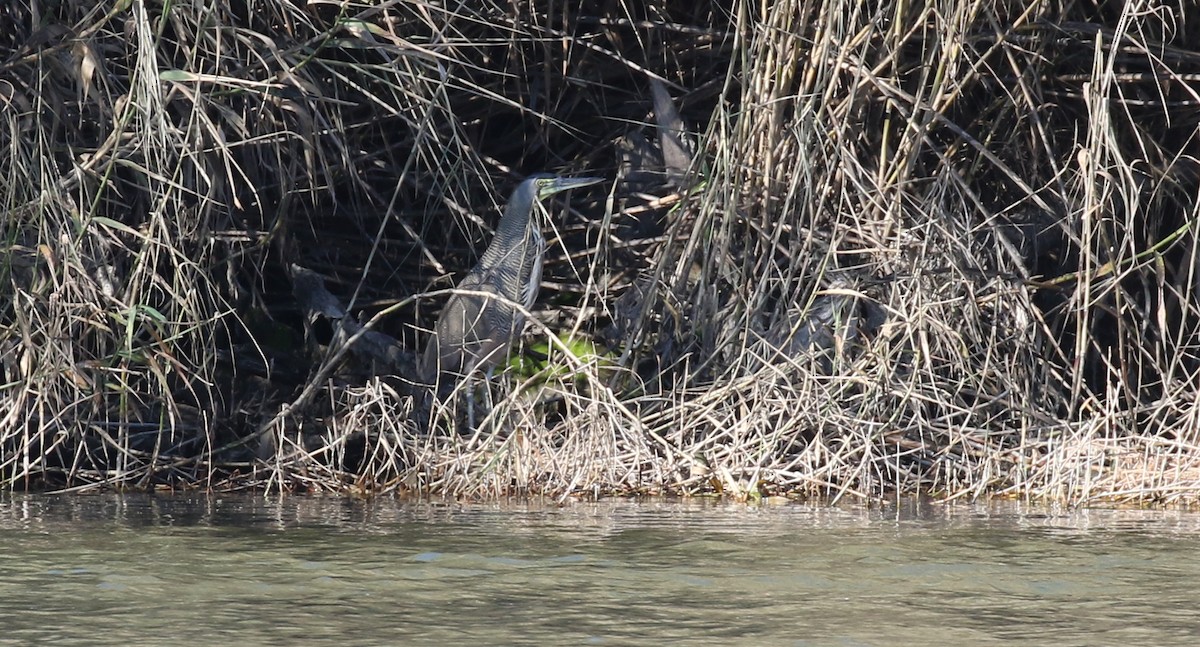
{"points": [[383, 351], [676, 153]]}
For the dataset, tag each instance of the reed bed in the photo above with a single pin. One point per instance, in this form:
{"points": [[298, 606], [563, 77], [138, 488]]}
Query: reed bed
{"points": [[917, 247]]}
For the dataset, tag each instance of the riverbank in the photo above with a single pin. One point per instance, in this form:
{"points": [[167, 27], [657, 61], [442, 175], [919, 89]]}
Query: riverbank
{"points": [[908, 251]]}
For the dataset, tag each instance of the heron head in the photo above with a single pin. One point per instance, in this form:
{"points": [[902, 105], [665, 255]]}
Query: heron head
{"points": [[547, 185]]}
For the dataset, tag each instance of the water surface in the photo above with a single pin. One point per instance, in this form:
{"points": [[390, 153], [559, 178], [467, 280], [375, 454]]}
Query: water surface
{"points": [[245, 570]]}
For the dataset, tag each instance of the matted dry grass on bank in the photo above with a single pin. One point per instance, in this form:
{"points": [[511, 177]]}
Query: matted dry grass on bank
{"points": [[940, 247]]}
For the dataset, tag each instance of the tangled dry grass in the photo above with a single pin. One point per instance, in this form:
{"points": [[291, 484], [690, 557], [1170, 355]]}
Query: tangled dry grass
{"points": [[920, 247]]}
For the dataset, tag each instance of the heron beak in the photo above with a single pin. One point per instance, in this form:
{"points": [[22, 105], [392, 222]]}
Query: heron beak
{"points": [[567, 183]]}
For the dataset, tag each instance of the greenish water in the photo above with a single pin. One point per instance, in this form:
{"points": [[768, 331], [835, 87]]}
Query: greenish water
{"points": [[141, 570]]}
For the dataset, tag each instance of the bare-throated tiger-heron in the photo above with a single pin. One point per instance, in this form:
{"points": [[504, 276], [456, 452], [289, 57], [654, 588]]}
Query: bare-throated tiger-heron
{"points": [[485, 314]]}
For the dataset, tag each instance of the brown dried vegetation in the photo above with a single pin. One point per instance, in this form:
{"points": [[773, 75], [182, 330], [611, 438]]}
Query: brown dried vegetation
{"points": [[936, 247]]}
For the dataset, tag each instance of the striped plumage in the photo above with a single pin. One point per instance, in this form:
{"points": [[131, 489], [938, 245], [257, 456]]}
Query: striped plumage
{"points": [[480, 321]]}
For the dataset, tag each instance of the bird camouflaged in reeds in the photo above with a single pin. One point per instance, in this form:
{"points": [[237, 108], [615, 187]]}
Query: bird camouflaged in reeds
{"points": [[485, 315]]}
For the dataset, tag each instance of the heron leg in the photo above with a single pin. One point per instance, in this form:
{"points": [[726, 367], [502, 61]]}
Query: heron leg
{"points": [[473, 392], [470, 384]]}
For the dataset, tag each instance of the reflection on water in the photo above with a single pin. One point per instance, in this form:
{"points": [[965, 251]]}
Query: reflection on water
{"points": [[122, 570]]}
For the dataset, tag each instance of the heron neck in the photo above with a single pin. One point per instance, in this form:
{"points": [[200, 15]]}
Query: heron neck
{"points": [[513, 231]]}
